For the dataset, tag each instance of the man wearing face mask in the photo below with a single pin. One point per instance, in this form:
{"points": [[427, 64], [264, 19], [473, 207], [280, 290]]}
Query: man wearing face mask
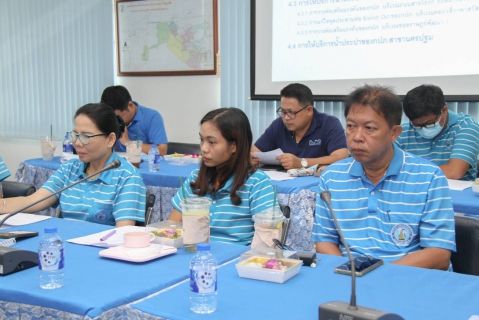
{"points": [[450, 140]]}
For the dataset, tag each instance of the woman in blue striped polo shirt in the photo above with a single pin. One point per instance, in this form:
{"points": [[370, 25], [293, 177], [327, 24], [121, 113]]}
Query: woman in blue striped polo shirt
{"points": [[226, 176], [114, 197]]}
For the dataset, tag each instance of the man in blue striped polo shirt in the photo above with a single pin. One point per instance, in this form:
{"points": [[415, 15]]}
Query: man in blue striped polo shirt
{"points": [[390, 204], [448, 139]]}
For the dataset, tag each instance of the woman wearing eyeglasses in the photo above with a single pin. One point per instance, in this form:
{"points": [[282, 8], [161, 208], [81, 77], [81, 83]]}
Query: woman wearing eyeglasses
{"points": [[114, 197]]}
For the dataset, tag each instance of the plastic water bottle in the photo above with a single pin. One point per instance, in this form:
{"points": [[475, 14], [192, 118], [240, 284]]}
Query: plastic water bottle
{"points": [[203, 294], [51, 260], [67, 145], [153, 159]]}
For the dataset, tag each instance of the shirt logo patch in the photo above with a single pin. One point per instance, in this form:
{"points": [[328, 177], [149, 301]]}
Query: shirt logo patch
{"points": [[316, 142], [401, 234], [448, 144], [101, 216]]}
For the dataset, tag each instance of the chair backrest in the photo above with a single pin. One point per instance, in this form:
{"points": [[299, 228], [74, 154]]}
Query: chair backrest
{"points": [[286, 210], [150, 202], [177, 147], [13, 189], [466, 258]]}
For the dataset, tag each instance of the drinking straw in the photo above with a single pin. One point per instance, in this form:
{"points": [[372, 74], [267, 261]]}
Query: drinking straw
{"points": [[137, 142], [274, 199], [183, 189], [51, 132]]}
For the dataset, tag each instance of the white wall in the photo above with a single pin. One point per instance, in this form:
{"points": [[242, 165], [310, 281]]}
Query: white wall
{"points": [[181, 100]]}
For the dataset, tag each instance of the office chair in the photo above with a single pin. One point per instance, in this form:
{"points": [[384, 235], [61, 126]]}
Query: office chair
{"points": [[466, 258], [189, 148], [16, 189]]}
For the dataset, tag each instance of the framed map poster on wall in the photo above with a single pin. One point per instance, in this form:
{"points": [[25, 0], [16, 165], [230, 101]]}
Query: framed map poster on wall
{"points": [[166, 37]]}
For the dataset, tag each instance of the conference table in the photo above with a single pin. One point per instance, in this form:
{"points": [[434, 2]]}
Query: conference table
{"points": [[413, 293], [299, 194], [95, 287], [102, 288]]}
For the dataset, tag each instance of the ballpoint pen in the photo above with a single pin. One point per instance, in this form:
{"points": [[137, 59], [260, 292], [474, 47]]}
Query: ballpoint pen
{"points": [[109, 234]]}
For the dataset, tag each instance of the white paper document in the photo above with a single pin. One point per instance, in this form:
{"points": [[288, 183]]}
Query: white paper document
{"points": [[114, 240], [21, 219], [269, 157], [459, 184], [278, 175]]}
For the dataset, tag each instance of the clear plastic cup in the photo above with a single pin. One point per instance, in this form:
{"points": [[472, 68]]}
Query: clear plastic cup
{"points": [[48, 148], [133, 152], [196, 221], [271, 218]]}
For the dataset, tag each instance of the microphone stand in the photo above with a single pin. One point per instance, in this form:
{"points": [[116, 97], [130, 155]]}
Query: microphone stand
{"points": [[341, 310], [326, 197], [114, 164]]}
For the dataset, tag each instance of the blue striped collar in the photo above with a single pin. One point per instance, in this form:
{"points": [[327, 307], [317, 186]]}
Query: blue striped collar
{"points": [[106, 176], [397, 162]]}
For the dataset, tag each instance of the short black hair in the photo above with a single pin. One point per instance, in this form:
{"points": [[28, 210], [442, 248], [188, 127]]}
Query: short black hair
{"points": [[300, 92], [382, 99], [117, 97], [423, 101], [103, 117]]}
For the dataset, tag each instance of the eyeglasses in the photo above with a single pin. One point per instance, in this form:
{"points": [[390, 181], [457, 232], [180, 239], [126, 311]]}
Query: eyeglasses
{"points": [[427, 126], [84, 138], [291, 114]]}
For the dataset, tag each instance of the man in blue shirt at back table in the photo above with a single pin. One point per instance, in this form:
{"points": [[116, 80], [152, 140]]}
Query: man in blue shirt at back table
{"points": [[390, 204], [448, 139], [306, 136], [142, 123]]}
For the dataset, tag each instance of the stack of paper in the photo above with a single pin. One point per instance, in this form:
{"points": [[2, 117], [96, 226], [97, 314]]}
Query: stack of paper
{"points": [[114, 240]]}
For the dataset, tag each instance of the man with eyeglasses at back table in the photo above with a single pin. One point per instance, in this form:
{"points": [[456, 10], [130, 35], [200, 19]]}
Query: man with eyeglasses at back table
{"points": [[306, 136], [450, 140]]}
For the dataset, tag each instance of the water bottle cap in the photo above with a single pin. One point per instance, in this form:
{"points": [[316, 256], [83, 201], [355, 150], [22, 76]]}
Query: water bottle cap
{"points": [[51, 230], [153, 146], [203, 247]]}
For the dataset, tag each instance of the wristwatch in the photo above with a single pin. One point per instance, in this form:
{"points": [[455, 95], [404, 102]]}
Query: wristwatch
{"points": [[304, 163]]}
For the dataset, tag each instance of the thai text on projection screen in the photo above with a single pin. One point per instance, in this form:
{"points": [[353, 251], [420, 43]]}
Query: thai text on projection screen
{"points": [[347, 39]]}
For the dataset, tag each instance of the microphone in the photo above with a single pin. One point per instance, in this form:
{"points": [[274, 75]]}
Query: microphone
{"points": [[114, 164], [342, 310]]}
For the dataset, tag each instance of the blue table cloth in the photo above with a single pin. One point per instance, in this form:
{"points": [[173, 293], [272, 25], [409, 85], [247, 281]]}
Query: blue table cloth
{"points": [[94, 286], [413, 293], [465, 202]]}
